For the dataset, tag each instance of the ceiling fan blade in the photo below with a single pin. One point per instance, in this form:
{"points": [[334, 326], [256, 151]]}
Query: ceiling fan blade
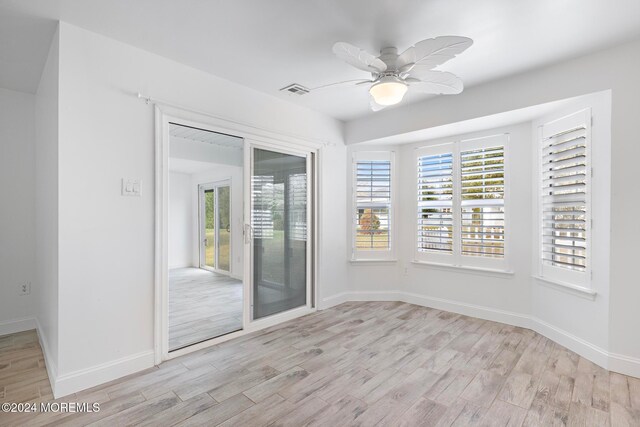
{"points": [[374, 105], [407, 57], [355, 82], [433, 52], [359, 58], [437, 82]]}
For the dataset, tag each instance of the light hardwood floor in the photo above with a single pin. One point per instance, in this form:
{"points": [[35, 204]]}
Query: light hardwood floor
{"points": [[360, 363], [202, 305]]}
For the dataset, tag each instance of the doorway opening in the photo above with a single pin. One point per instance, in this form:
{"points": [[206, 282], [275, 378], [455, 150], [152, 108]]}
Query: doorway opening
{"points": [[205, 218], [235, 231], [215, 226]]}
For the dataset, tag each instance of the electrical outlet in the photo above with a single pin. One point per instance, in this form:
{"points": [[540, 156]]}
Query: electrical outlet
{"points": [[24, 288]]}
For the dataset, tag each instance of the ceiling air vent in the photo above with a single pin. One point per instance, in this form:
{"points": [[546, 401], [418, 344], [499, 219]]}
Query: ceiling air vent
{"points": [[295, 88]]}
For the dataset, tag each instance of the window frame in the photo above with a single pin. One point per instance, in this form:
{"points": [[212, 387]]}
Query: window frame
{"points": [[581, 279], [380, 254], [456, 258]]}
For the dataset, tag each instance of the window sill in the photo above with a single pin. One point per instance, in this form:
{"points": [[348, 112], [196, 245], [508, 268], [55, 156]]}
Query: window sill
{"points": [[373, 261], [466, 269], [580, 291]]}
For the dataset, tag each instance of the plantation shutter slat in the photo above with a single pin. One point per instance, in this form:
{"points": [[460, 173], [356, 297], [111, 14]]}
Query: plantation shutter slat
{"points": [[263, 198], [565, 183], [482, 202], [435, 203], [298, 207], [373, 204]]}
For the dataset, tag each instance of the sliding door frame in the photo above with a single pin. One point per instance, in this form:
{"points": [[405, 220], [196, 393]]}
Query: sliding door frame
{"points": [[165, 114], [249, 269], [202, 188]]}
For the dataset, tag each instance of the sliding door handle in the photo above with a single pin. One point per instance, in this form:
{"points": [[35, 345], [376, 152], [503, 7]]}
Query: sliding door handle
{"points": [[248, 233]]}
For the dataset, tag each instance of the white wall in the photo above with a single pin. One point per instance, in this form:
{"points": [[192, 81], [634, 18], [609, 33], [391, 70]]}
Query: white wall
{"points": [[181, 212], [332, 256], [508, 293], [582, 317], [514, 297], [616, 70], [441, 286], [107, 241], [47, 208], [17, 209]]}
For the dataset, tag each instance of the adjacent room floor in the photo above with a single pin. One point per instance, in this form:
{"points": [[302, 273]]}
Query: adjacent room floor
{"points": [[360, 363], [202, 305]]}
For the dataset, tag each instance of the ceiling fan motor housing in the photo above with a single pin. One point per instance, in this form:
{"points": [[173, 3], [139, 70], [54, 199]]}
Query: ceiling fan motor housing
{"points": [[389, 56]]}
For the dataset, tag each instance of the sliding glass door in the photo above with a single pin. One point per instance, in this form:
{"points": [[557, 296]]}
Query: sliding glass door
{"points": [[215, 226], [280, 217]]}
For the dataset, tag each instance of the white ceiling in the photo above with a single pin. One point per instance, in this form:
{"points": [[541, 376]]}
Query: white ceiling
{"points": [[267, 45]]}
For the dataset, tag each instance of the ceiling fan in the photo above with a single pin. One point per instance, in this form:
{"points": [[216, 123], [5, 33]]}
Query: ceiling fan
{"points": [[392, 74]]}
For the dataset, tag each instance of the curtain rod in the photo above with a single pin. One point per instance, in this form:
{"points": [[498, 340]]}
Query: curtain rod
{"points": [[149, 100]]}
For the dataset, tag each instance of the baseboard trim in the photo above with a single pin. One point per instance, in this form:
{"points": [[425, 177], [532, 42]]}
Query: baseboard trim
{"points": [[614, 362], [52, 369], [13, 326], [333, 300], [472, 310], [86, 378], [584, 348], [83, 379], [624, 364]]}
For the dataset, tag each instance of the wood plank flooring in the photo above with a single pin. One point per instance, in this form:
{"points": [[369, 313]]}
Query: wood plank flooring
{"points": [[202, 305], [357, 364]]}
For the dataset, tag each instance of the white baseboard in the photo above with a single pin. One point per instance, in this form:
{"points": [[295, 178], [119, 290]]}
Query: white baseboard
{"points": [[14, 326], [86, 378], [611, 361], [50, 365], [481, 312], [624, 364], [589, 351], [334, 300], [375, 296], [343, 297], [83, 379]]}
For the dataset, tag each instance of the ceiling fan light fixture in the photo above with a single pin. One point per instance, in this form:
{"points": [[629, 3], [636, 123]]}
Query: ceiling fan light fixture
{"points": [[388, 91]]}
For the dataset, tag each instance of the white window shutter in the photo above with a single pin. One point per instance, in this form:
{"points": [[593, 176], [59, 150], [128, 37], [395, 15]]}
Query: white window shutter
{"points": [[482, 201], [461, 209], [435, 202], [565, 183], [372, 208]]}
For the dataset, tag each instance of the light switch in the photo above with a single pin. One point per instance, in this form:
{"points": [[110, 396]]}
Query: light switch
{"points": [[131, 187]]}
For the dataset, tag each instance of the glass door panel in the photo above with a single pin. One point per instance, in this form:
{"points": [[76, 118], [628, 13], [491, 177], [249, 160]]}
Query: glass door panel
{"points": [[279, 187], [224, 228], [209, 228]]}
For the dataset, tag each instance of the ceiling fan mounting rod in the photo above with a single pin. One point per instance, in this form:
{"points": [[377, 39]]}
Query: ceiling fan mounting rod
{"points": [[389, 55]]}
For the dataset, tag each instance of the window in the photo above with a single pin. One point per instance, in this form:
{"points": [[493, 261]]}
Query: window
{"points": [[564, 200], [461, 203], [482, 201], [372, 206], [435, 201]]}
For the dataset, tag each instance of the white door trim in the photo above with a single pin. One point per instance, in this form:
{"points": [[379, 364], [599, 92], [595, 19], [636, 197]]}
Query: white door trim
{"points": [[214, 185], [165, 114]]}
